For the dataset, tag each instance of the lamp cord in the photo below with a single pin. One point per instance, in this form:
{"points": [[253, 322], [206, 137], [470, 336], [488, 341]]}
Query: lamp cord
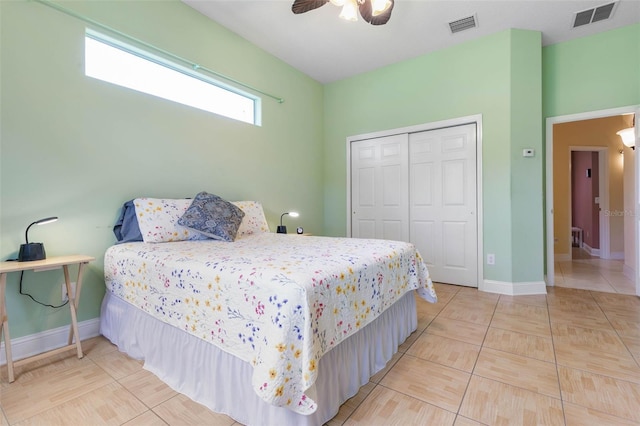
{"points": [[32, 298]]}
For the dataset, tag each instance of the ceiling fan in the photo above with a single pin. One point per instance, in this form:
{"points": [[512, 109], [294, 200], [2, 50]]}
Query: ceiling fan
{"points": [[375, 12]]}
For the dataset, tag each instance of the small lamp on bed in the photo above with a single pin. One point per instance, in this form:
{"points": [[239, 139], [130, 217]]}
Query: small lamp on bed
{"points": [[283, 229], [33, 251]]}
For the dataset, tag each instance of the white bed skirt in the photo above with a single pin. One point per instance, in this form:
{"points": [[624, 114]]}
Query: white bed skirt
{"points": [[222, 382]]}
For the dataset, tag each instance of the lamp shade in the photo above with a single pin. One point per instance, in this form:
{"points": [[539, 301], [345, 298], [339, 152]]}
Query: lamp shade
{"points": [[628, 137], [33, 251]]}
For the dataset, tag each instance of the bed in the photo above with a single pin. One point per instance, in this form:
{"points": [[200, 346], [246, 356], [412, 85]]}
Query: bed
{"points": [[266, 328]]}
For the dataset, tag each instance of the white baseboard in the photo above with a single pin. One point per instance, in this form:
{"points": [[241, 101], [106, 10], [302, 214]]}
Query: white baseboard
{"points": [[590, 250], [515, 289], [617, 255], [38, 343]]}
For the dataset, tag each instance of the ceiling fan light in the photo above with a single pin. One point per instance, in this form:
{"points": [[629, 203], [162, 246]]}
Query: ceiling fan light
{"points": [[378, 7], [349, 11], [338, 3]]}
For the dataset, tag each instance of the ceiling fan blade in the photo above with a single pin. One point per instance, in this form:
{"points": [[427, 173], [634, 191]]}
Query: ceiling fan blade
{"points": [[302, 6], [367, 14]]}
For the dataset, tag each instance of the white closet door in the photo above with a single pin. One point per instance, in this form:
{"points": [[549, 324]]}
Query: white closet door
{"points": [[379, 188], [443, 203]]}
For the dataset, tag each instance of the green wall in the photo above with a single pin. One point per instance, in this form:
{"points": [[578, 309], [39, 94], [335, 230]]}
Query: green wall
{"points": [[515, 84], [78, 148], [527, 235], [592, 73], [498, 76]]}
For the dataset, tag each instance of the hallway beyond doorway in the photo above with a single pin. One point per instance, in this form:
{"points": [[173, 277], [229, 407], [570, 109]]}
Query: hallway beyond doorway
{"points": [[588, 272]]}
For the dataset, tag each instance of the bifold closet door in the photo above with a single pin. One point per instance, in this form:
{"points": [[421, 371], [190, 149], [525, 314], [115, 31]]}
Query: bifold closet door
{"points": [[443, 216], [380, 188]]}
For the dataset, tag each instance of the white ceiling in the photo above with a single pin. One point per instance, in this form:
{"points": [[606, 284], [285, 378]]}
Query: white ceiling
{"points": [[327, 48]]}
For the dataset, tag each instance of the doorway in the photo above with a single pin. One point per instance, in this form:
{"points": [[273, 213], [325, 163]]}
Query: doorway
{"points": [[589, 200], [611, 211]]}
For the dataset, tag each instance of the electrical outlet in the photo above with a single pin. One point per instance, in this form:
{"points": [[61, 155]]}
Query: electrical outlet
{"points": [[491, 259], [65, 297]]}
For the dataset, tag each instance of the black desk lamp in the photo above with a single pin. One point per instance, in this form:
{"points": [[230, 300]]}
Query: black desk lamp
{"points": [[283, 229], [33, 251]]}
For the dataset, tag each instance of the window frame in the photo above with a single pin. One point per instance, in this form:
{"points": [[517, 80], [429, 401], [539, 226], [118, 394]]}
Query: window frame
{"points": [[170, 61]]}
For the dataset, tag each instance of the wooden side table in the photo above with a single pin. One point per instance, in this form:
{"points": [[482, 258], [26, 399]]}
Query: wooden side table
{"points": [[42, 265]]}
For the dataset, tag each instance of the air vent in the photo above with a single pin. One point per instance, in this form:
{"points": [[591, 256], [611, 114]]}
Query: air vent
{"points": [[590, 16], [463, 24]]}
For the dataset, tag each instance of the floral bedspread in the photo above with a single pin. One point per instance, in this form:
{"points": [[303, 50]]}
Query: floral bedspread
{"points": [[277, 301]]}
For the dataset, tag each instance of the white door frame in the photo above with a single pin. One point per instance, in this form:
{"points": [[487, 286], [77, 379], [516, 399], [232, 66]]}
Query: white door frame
{"points": [[550, 122], [470, 119], [603, 190], [636, 206]]}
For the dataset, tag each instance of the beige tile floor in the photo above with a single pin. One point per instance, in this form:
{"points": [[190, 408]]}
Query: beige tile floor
{"points": [[592, 273], [571, 357]]}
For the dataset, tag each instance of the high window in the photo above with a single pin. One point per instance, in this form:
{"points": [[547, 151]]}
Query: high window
{"points": [[111, 60]]}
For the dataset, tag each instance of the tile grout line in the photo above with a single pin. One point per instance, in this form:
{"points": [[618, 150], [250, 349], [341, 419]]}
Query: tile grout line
{"points": [[590, 292], [555, 360], [471, 374], [618, 334], [379, 383]]}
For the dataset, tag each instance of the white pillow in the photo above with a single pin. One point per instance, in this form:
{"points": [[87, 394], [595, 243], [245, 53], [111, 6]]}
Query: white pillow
{"points": [[254, 221], [158, 220]]}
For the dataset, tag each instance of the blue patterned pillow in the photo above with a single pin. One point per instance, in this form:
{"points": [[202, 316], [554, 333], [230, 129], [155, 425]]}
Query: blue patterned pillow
{"points": [[212, 216]]}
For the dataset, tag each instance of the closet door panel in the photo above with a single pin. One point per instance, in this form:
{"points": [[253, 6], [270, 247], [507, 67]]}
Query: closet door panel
{"points": [[454, 253], [453, 183], [427, 248], [421, 187], [442, 164], [379, 188]]}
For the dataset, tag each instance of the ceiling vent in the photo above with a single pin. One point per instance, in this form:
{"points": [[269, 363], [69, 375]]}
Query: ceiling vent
{"points": [[596, 14], [463, 24]]}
